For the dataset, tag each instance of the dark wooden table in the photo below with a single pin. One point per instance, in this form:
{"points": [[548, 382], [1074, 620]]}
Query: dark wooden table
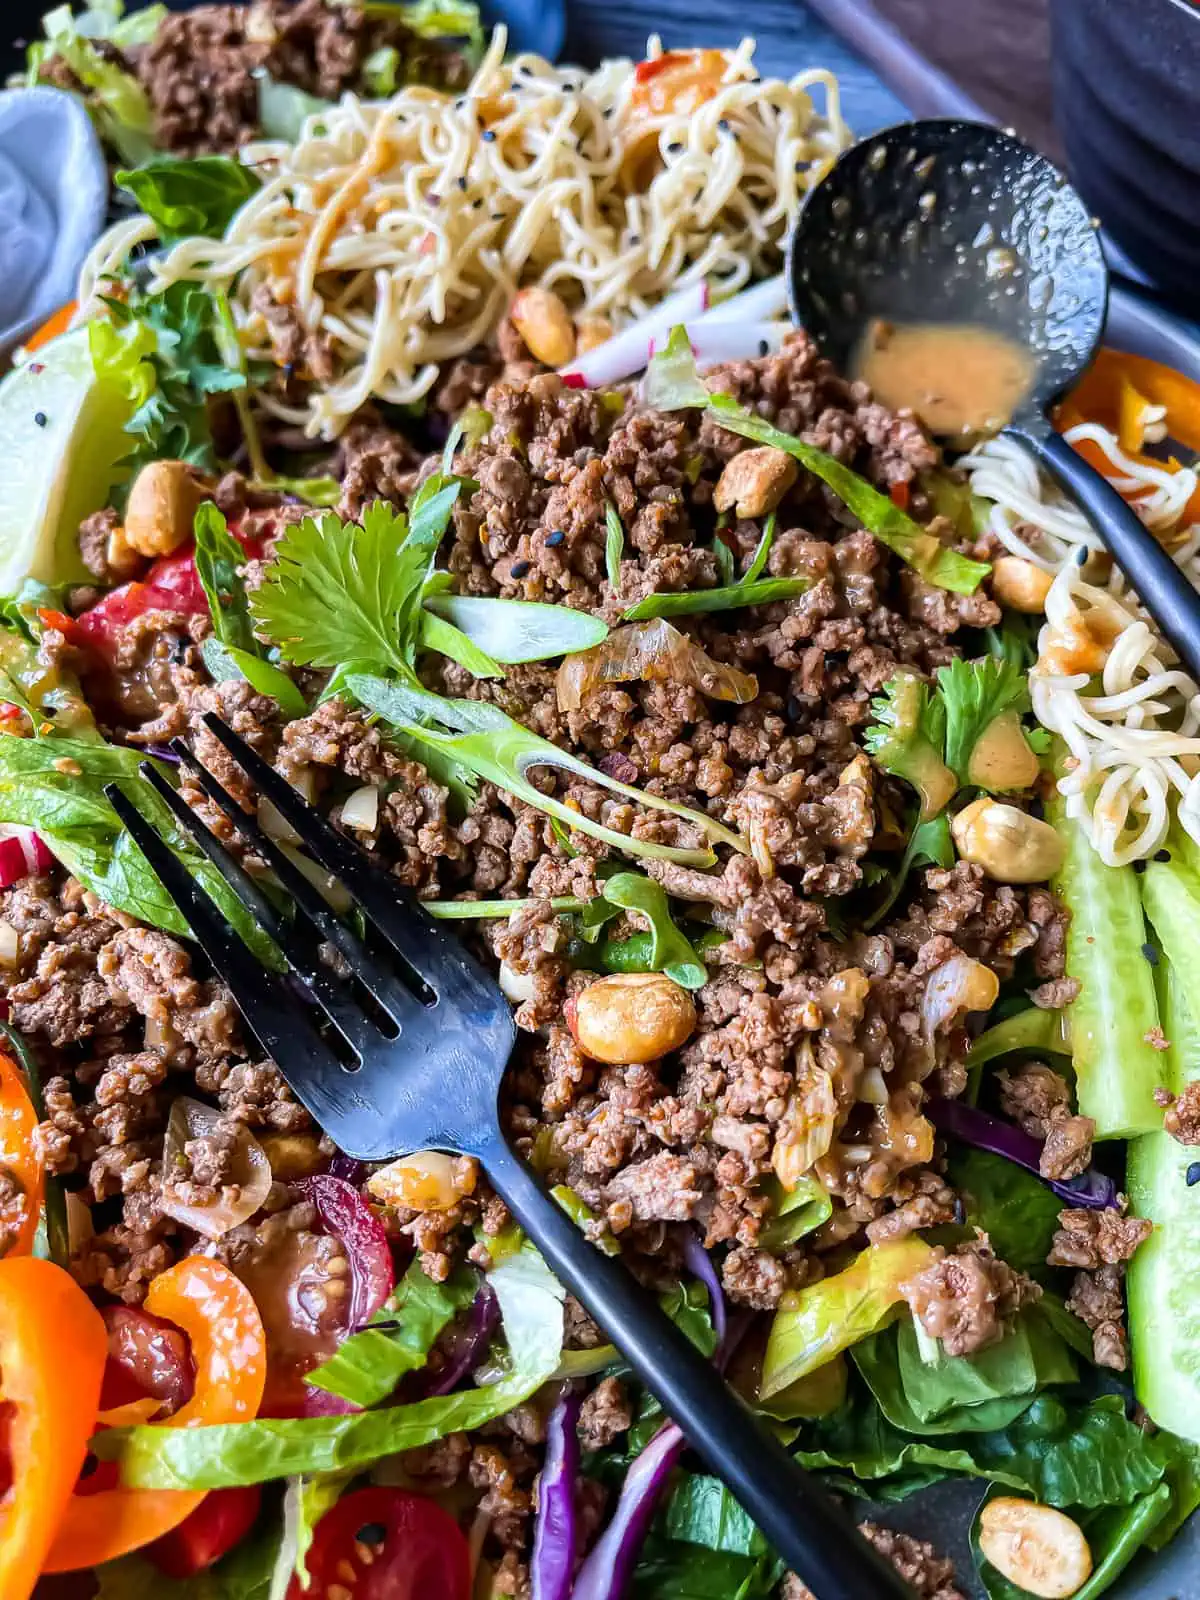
{"points": [[997, 50]]}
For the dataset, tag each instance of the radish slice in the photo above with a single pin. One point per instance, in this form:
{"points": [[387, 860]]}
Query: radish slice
{"points": [[22, 855], [714, 342], [625, 353], [760, 303]]}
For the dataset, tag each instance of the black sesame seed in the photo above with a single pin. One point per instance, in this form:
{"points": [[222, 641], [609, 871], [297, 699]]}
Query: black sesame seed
{"points": [[763, 346], [1193, 1174], [553, 540], [1081, 556], [371, 1533], [1139, 866], [724, 124], [635, 238], [1151, 954], [1162, 855], [459, 104], [795, 708], [498, 216], [488, 136], [520, 568], [674, 148], [462, 184], [40, 418]]}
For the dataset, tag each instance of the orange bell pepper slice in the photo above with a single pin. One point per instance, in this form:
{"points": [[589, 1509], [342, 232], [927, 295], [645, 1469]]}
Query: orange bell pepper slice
{"points": [[52, 1353], [229, 1347], [1113, 391], [53, 326], [19, 1161]]}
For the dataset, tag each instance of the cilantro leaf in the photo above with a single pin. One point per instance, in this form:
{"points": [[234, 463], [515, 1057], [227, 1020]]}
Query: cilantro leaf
{"points": [[342, 591], [929, 845], [908, 737], [974, 694], [614, 544], [219, 559]]}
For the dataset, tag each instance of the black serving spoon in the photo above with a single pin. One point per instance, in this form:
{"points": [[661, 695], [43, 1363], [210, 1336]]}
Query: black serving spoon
{"points": [[948, 221]]}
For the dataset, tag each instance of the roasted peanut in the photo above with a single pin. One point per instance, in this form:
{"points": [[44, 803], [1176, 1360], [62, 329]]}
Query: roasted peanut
{"points": [[1009, 844], [592, 332], [631, 1018], [544, 323], [162, 507], [430, 1180], [1002, 757], [1037, 1548], [755, 481], [122, 559], [1020, 585]]}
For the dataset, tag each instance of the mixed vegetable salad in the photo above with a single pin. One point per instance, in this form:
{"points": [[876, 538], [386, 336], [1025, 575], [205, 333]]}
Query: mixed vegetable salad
{"points": [[702, 708]]}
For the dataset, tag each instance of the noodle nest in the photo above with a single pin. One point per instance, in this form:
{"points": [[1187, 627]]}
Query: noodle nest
{"points": [[398, 232]]}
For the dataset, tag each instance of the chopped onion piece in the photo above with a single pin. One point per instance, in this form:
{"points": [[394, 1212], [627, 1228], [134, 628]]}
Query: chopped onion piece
{"points": [[654, 650], [959, 985], [249, 1181], [518, 986], [626, 352], [10, 945], [332, 890], [361, 810]]}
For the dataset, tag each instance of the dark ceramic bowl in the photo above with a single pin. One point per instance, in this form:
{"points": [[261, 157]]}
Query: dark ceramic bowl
{"points": [[1127, 84]]}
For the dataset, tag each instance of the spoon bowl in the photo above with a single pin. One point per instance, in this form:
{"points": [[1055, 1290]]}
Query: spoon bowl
{"points": [[955, 222], [959, 223]]}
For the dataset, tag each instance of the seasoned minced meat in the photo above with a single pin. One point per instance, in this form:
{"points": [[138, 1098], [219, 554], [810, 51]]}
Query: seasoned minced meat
{"points": [[969, 1298], [916, 1560], [199, 70], [1040, 1101], [1181, 1113]]}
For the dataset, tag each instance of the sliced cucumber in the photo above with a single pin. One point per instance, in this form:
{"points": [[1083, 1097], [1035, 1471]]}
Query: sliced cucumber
{"points": [[1164, 1311], [1116, 1070]]}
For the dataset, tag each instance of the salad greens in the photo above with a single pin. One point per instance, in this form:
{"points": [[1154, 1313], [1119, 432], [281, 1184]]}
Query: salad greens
{"points": [[367, 1366], [672, 383], [730, 597], [614, 545], [116, 100], [197, 196], [531, 1308]]}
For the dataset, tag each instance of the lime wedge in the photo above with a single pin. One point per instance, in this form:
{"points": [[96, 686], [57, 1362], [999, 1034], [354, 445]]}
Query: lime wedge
{"points": [[63, 436]]}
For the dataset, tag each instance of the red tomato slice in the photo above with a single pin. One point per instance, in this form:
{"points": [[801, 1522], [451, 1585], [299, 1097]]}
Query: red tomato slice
{"points": [[222, 1520], [387, 1544], [146, 1357]]}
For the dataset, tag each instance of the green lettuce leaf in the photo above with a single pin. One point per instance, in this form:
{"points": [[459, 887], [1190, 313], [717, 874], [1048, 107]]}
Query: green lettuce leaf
{"points": [[118, 104], [794, 1213], [72, 814], [189, 197], [1019, 1213], [531, 1309], [366, 1368], [669, 951], [955, 1394], [305, 1502]]}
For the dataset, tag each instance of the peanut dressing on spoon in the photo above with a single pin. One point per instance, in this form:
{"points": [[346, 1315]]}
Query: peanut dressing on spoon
{"points": [[960, 379]]}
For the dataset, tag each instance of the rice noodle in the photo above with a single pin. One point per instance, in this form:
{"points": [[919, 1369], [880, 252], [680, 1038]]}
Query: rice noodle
{"points": [[1131, 721], [399, 230]]}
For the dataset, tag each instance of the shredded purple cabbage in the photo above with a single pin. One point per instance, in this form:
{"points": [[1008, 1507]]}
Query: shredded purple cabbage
{"points": [[465, 1345], [699, 1264], [610, 1562], [162, 752], [555, 1536], [1091, 1191]]}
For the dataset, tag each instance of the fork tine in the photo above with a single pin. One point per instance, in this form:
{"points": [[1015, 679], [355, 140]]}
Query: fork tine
{"points": [[427, 947], [335, 1000], [384, 985], [281, 1026]]}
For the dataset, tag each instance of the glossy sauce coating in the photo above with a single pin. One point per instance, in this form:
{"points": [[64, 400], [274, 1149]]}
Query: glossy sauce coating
{"points": [[960, 379]]}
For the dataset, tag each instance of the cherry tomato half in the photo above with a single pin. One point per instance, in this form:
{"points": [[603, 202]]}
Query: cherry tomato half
{"points": [[221, 1521], [387, 1544]]}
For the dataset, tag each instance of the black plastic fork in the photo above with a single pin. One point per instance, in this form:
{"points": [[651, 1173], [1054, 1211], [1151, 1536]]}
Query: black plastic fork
{"points": [[418, 1066]]}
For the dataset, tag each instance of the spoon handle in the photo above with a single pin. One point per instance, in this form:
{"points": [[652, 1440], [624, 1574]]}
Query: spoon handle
{"points": [[809, 1529], [1161, 586]]}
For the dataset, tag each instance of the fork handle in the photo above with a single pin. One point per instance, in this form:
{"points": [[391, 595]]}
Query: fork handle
{"points": [[807, 1527]]}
